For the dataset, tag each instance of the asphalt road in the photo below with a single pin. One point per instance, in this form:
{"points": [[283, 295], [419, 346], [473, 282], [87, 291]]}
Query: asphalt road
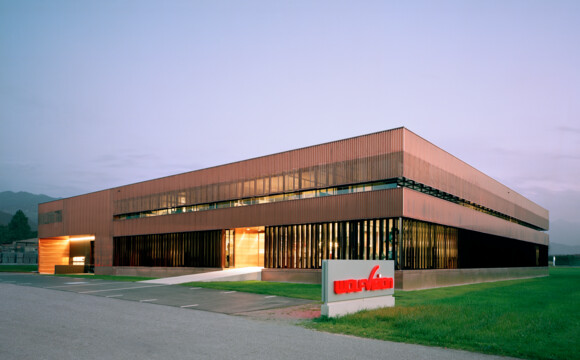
{"points": [[41, 323], [226, 302]]}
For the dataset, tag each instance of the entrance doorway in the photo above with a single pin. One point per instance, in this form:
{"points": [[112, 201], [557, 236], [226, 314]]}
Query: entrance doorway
{"points": [[71, 254], [244, 247]]}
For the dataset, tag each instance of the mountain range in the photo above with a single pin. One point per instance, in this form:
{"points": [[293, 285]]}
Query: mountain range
{"points": [[562, 249], [11, 202]]}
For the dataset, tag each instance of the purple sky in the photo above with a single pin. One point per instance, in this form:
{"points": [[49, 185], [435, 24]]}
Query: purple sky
{"points": [[97, 94]]}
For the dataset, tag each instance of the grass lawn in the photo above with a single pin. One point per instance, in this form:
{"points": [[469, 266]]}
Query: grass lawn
{"points": [[302, 291], [18, 268], [106, 277], [532, 318]]}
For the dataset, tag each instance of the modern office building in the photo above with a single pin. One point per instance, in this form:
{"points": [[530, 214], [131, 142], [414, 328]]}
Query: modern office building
{"points": [[386, 195]]}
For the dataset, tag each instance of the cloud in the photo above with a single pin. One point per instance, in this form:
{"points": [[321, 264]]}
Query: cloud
{"points": [[123, 159], [549, 185], [569, 129], [523, 154], [112, 170]]}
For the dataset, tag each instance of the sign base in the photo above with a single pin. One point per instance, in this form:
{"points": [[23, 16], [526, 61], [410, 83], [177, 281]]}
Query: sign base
{"points": [[340, 308]]}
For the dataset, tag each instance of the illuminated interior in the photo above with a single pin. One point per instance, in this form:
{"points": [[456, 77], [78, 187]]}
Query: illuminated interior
{"points": [[78, 260], [249, 246], [64, 251]]}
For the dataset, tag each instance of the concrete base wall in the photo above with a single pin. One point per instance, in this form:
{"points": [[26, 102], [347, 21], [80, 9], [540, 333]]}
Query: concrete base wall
{"points": [[340, 308], [425, 279], [158, 272], [308, 276], [257, 276], [70, 269]]}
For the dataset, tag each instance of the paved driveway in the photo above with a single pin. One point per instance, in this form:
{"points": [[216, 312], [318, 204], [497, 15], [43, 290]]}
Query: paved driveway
{"points": [[226, 302]]}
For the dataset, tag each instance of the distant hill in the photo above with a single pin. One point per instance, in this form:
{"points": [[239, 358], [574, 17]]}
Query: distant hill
{"points": [[11, 202], [5, 218], [561, 249]]}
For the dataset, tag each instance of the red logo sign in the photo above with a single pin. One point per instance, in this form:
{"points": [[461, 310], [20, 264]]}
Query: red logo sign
{"points": [[370, 284]]}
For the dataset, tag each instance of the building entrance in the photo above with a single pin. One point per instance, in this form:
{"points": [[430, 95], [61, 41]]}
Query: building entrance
{"points": [[248, 247], [67, 254]]}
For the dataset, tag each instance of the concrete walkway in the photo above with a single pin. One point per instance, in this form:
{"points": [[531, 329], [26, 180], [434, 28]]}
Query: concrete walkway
{"points": [[241, 274]]}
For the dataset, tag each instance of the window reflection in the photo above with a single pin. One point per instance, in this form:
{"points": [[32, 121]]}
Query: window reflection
{"points": [[387, 184], [305, 246]]}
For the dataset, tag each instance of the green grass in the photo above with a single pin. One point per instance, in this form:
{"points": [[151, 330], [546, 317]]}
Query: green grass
{"points": [[533, 318], [18, 268], [301, 291], [106, 277]]}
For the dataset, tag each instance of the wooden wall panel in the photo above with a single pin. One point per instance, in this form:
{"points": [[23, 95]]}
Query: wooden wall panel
{"points": [[52, 252]]}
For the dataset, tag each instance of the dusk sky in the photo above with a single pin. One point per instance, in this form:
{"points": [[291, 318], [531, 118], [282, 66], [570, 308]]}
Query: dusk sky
{"points": [[98, 94]]}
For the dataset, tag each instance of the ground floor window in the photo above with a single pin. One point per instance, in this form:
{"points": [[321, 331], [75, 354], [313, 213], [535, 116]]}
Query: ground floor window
{"points": [[419, 245], [305, 246], [428, 246], [412, 244], [190, 249]]}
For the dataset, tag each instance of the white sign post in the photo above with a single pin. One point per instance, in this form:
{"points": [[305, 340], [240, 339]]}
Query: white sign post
{"points": [[349, 286]]}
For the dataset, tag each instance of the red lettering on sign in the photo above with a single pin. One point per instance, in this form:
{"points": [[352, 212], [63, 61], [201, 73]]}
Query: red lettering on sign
{"points": [[370, 284]]}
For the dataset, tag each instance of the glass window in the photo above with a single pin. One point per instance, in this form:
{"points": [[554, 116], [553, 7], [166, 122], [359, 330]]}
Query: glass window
{"points": [[259, 186], [307, 178], [289, 182], [277, 184], [248, 188]]}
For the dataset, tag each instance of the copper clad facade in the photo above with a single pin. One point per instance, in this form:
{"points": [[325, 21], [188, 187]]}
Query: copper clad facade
{"points": [[428, 164], [365, 181], [427, 208]]}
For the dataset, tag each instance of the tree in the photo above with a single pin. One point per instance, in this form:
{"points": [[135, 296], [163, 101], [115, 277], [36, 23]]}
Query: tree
{"points": [[18, 228], [4, 234]]}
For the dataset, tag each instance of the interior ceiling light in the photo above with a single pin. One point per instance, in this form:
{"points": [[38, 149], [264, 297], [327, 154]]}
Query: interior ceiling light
{"points": [[82, 238]]}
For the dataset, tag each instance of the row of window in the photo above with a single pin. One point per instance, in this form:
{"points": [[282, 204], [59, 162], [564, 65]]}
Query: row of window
{"points": [[428, 246], [339, 190], [305, 246], [191, 249], [50, 217], [419, 245]]}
